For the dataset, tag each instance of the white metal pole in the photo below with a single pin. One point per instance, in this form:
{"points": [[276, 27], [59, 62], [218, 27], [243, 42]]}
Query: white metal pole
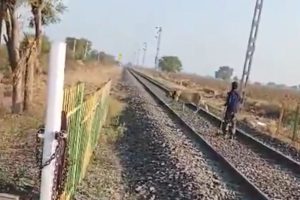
{"points": [[53, 115]]}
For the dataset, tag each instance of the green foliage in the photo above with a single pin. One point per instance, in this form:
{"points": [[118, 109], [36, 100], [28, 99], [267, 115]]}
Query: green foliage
{"points": [[82, 46], [289, 117], [224, 73], [129, 64], [52, 9], [93, 55], [236, 78], [170, 64], [70, 42], [107, 59], [46, 45]]}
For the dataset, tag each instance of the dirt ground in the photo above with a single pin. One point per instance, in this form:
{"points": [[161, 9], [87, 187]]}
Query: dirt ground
{"points": [[18, 169]]}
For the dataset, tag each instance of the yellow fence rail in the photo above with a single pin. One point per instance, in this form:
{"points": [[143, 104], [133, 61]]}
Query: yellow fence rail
{"points": [[85, 118]]}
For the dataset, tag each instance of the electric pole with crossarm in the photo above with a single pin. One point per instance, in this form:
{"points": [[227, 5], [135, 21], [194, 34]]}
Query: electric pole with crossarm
{"points": [[145, 51], [251, 47], [138, 57], [158, 37]]}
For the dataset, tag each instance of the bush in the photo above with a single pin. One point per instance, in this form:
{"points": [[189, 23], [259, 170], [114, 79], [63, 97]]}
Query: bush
{"points": [[170, 64]]}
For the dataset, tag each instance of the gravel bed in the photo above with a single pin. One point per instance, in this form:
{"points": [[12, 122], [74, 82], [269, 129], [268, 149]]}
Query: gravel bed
{"points": [[160, 162], [283, 147], [274, 180]]}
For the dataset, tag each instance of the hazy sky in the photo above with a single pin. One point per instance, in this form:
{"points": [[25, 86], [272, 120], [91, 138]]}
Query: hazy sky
{"points": [[205, 34]]}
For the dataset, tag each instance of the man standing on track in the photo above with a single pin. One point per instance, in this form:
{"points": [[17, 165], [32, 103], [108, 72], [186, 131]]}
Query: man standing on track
{"points": [[232, 105]]}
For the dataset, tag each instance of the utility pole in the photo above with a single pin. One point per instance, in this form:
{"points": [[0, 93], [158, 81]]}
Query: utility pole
{"points": [[138, 57], [145, 50], [158, 37], [251, 47], [134, 58]]}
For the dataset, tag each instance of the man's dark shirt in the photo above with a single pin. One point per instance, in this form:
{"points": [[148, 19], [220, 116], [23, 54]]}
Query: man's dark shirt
{"points": [[233, 101]]}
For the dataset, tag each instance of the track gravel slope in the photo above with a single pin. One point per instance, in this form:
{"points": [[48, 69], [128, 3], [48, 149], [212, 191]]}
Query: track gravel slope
{"points": [[272, 178], [160, 161]]}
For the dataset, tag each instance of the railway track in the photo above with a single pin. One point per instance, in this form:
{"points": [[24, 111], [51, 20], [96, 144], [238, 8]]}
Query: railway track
{"points": [[268, 173]]}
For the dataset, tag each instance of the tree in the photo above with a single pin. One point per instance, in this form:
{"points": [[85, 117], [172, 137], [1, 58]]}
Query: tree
{"points": [[170, 64], [80, 47], [45, 44], [44, 12], [4, 63], [236, 78], [11, 38], [224, 73], [93, 55], [28, 42], [106, 59], [281, 86], [19, 58], [257, 83], [71, 46], [271, 84], [2, 14], [129, 64]]}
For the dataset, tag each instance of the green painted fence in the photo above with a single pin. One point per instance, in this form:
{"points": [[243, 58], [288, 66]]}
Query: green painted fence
{"points": [[85, 118]]}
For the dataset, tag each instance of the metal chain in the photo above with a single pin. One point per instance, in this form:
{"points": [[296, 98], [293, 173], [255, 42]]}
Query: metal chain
{"points": [[61, 164]]}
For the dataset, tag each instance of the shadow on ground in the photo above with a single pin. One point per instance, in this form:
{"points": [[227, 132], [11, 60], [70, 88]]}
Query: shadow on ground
{"points": [[25, 193]]}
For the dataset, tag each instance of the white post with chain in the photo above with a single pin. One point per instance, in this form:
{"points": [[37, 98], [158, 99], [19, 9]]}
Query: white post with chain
{"points": [[53, 115]]}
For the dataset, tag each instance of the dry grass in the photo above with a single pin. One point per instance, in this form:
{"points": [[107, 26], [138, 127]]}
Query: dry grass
{"points": [[113, 129], [264, 104], [255, 92], [92, 74]]}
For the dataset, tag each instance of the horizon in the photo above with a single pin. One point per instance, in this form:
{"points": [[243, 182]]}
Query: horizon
{"points": [[204, 35]]}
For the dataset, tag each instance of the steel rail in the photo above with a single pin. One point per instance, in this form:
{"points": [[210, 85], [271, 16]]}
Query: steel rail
{"points": [[276, 155], [255, 192]]}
